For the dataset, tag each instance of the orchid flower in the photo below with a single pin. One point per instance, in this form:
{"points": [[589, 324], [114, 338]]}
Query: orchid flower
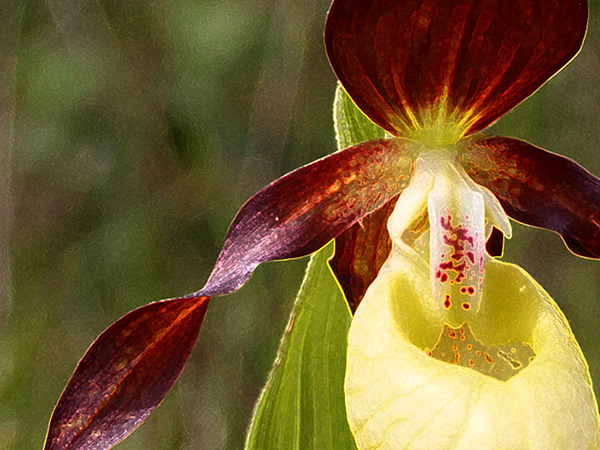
{"points": [[449, 347]]}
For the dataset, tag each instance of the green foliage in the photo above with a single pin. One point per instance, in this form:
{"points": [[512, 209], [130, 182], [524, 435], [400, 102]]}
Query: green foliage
{"points": [[302, 405], [351, 125]]}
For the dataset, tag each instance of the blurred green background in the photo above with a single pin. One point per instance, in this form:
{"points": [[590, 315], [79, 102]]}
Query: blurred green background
{"points": [[130, 134]]}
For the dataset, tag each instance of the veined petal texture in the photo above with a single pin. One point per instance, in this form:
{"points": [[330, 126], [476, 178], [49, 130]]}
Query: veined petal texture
{"points": [[539, 188], [408, 64], [125, 374]]}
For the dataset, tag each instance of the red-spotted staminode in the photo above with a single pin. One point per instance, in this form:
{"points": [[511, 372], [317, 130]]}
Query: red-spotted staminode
{"points": [[450, 347]]}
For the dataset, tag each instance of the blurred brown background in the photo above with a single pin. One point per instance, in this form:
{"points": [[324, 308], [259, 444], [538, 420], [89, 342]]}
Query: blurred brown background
{"points": [[130, 134]]}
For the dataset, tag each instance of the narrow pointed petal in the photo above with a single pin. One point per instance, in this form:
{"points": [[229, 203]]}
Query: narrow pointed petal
{"points": [[360, 251], [406, 63], [539, 188], [125, 374], [302, 211]]}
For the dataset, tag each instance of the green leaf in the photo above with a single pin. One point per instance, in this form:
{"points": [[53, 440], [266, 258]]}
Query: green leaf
{"points": [[351, 125], [302, 405]]}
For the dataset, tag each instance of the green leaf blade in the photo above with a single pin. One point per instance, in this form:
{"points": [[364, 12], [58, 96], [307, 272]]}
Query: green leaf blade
{"points": [[351, 125], [302, 405]]}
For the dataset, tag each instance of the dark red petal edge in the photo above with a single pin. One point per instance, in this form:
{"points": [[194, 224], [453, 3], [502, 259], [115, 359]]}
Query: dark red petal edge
{"points": [[125, 374], [360, 251], [495, 243], [539, 188], [477, 58], [302, 211]]}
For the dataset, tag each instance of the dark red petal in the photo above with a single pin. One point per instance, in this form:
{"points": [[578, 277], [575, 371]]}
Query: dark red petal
{"points": [[360, 251], [125, 374], [478, 58], [539, 188], [303, 210], [495, 243]]}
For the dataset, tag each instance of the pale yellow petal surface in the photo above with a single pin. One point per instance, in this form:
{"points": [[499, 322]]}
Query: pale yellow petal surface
{"points": [[398, 397]]}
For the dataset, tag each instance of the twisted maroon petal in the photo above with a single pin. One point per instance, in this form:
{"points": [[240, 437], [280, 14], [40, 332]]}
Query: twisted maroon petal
{"points": [[125, 374], [539, 188], [360, 251], [474, 59], [302, 211]]}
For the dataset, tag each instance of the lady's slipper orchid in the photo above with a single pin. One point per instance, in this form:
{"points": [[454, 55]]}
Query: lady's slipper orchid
{"points": [[450, 348]]}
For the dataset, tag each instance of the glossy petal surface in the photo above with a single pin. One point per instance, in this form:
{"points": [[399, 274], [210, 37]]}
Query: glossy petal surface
{"points": [[125, 374], [406, 63], [360, 251], [539, 188], [302, 211]]}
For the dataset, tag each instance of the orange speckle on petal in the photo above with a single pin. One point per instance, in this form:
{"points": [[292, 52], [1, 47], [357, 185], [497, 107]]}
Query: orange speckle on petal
{"points": [[334, 187], [349, 179]]}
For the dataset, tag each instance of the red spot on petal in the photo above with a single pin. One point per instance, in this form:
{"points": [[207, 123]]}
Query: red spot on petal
{"points": [[471, 257], [457, 256], [447, 302], [445, 222]]}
